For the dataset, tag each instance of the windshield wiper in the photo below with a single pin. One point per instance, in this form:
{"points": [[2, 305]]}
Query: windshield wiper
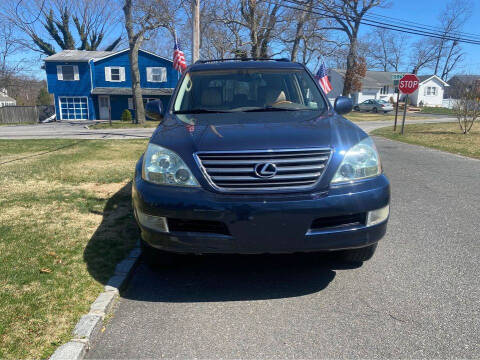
{"points": [[270, 108], [199, 111]]}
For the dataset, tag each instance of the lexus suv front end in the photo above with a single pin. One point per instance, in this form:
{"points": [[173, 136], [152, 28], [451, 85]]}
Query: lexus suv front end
{"points": [[251, 158]]}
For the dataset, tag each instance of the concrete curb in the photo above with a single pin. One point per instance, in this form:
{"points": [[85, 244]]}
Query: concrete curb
{"points": [[89, 326]]}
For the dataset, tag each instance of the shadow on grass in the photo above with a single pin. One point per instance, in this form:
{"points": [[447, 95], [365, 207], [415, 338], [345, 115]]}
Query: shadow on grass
{"points": [[114, 238], [207, 277]]}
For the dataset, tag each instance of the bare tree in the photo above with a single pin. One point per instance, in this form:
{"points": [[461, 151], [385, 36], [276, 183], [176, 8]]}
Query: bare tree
{"points": [[141, 18], [47, 20], [451, 19], [384, 49], [256, 22], [467, 104], [422, 55], [348, 15]]}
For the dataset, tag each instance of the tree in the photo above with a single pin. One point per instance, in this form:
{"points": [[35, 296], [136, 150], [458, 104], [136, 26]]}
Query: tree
{"points": [[44, 98], [258, 18], [422, 54], [142, 17], [51, 20], [467, 104], [384, 49], [451, 19], [348, 15]]}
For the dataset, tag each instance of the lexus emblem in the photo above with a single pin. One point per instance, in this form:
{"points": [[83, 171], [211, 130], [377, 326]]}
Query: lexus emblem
{"points": [[265, 170]]}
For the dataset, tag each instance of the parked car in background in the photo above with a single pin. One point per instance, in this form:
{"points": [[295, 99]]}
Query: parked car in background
{"points": [[251, 158], [374, 106]]}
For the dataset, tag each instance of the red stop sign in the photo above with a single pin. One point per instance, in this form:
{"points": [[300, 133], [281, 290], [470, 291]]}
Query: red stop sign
{"points": [[408, 83]]}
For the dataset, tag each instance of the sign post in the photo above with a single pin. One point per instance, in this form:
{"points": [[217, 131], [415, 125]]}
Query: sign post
{"points": [[396, 79], [407, 85]]}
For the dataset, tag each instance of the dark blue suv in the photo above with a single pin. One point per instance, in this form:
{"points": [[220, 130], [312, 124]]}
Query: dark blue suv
{"points": [[251, 158]]}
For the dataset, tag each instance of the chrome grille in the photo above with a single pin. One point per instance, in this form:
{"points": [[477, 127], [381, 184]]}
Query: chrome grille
{"points": [[235, 171]]}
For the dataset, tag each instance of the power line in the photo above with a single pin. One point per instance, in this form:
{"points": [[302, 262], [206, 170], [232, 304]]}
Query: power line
{"points": [[379, 24]]}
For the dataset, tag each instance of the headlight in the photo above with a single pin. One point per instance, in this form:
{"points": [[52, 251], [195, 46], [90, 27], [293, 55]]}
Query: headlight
{"points": [[164, 167], [360, 162]]}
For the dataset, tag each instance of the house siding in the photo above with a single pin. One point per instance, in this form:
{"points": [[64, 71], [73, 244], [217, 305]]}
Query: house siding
{"points": [[61, 88], [144, 60], [92, 75], [428, 100]]}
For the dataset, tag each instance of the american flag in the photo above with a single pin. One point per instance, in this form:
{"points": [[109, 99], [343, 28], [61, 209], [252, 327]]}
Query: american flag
{"points": [[179, 63], [322, 78]]}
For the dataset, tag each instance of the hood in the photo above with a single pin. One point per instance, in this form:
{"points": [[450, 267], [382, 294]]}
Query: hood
{"points": [[256, 131], [244, 131]]}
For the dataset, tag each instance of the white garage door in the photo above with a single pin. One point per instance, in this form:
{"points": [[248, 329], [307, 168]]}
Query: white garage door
{"points": [[73, 108]]}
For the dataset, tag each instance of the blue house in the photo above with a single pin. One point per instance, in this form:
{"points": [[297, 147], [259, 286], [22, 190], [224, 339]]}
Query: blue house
{"points": [[97, 85]]}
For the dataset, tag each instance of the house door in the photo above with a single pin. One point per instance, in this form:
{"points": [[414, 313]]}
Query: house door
{"points": [[104, 107]]}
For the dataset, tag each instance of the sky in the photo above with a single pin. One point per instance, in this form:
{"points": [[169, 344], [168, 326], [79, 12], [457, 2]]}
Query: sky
{"points": [[426, 12]]}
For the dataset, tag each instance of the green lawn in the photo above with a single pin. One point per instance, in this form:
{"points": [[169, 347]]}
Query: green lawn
{"points": [[357, 116], [437, 110], [442, 136], [124, 125], [65, 221]]}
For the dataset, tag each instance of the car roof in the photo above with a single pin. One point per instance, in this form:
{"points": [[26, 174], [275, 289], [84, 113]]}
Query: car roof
{"points": [[251, 64]]}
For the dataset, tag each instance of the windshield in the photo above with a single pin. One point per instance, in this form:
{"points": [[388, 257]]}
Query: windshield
{"points": [[252, 90]]}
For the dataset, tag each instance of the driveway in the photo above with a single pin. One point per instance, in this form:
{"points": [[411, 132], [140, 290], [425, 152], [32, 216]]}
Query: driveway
{"points": [[78, 130], [418, 297]]}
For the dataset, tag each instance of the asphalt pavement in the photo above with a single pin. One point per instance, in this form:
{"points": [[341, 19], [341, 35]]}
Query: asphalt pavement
{"points": [[419, 297], [80, 130]]}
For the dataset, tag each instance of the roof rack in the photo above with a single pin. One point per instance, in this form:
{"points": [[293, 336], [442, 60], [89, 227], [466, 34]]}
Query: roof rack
{"points": [[240, 59]]}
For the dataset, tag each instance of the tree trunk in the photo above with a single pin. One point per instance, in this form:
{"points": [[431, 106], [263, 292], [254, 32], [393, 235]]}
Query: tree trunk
{"points": [[134, 42], [349, 73], [136, 87], [303, 18]]}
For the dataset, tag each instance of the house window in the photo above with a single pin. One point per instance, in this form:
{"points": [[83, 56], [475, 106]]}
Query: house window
{"points": [[67, 72], [73, 108], [114, 73], [156, 74], [384, 90], [130, 103], [430, 90]]}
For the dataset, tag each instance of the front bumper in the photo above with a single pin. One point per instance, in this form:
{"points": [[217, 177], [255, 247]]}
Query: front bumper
{"points": [[279, 223]]}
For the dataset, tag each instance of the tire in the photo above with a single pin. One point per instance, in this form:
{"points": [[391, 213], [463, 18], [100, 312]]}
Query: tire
{"points": [[356, 108], [155, 258], [375, 110], [359, 255]]}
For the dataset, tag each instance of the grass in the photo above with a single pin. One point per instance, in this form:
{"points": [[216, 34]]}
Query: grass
{"points": [[437, 110], [123, 125], [65, 222], [442, 136], [357, 116], [16, 124]]}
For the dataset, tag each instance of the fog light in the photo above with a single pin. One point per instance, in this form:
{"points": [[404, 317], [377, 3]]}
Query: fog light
{"points": [[377, 216], [158, 223]]}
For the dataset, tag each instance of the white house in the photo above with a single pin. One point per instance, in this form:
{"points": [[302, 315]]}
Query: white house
{"points": [[379, 85], [6, 100], [430, 91], [375, 85]]}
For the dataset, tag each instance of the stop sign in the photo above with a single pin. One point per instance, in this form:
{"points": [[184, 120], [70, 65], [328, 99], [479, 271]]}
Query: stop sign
{"points": [[408, 83]]}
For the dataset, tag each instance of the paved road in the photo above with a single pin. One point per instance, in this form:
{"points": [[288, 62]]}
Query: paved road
{"points": [[418, 297], [77, 130]]}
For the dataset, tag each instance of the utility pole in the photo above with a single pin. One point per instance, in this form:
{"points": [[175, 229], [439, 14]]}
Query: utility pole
{"points": [[195, 30]]}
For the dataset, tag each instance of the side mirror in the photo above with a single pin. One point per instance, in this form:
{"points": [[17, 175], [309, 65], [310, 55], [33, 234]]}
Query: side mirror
{"points": [[154, 110], [343, 105]]}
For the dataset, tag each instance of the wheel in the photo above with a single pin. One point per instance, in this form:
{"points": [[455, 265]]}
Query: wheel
{"points": [[359, 255], [375, 110], [155, 258], [356, 108]]}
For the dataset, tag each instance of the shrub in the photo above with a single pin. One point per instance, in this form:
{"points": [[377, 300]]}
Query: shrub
{"points": [[126, 116]]}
